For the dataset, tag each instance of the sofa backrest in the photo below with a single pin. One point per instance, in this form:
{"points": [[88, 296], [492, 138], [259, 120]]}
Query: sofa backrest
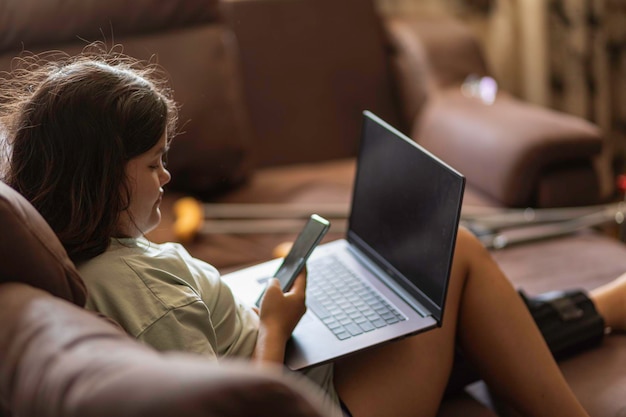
{"points": [[212, 151], [30, 252], [310, 67], [46, 23]]}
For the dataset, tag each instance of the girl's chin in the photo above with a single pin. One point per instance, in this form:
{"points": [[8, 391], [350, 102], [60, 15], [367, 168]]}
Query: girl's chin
{"points": [[154, 222]]}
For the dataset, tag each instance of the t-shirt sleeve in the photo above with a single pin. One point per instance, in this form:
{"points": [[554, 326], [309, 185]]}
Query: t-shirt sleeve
{"points": [[164, 297], [235, 324], [183, 328]]}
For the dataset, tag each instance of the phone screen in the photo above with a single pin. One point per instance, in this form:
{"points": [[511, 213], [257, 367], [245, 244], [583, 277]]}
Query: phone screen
{"points": [[312, 233]]}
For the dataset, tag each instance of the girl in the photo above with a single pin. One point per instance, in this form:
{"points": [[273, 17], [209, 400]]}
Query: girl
{"points": [[89, 137]]}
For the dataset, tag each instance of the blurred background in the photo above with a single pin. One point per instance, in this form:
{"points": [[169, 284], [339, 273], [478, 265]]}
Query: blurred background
{"points": [[569, 55]]}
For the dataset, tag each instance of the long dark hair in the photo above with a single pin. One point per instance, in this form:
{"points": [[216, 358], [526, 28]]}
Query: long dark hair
{"points": [[72, 124]]}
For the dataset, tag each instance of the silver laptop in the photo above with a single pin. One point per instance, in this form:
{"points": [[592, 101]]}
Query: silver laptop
{"points": [[389, 277]]}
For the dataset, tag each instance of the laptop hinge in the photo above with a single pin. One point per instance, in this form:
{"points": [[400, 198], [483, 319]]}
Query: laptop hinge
{"points": [[397, 289]]}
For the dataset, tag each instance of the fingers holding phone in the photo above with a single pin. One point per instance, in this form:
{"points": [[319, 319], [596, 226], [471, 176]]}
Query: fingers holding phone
{"points": [[299, 284], [295, 261], [283, 302], [281, 311]]}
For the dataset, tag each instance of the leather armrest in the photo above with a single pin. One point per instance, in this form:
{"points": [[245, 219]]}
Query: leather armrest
{"points": [[505, 149], [428, 53], [58, 360]]}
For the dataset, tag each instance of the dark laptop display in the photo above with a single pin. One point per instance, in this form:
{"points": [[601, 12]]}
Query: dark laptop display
{"points": [[407, 227]]}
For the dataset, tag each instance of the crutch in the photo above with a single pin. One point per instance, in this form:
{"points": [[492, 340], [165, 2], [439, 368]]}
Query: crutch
{"points": [[498, 230], [495, 229], [512, 218], [501, 237], [193, 217]]}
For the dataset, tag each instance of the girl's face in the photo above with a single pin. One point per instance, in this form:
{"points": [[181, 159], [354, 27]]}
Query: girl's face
{"points": [[146, 175]]}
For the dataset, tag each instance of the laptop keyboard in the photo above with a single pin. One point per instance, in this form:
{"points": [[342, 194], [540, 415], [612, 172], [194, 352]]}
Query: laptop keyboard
{"points": [[343, 302]]}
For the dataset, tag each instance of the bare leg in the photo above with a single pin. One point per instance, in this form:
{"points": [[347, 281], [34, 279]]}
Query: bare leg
{"points": [[610, 302], [488, 318]]}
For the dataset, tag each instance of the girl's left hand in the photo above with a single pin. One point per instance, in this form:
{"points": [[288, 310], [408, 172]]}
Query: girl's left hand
{"points": [[280, 311], [279, 314]]}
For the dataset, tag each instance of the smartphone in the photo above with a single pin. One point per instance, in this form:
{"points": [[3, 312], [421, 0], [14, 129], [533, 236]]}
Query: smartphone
{"points": [[312, 233]]}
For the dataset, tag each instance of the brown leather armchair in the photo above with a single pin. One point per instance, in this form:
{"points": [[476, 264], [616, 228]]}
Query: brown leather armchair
{"points": [[513, 153], [57, 359]]}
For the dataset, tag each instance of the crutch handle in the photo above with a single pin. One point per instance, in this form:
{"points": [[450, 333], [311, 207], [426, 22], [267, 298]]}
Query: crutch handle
{"points": [[189, 216]]}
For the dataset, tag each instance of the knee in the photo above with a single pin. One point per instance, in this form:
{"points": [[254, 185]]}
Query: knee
{"points": [[465, 237], [465, 232], [467, 242]]}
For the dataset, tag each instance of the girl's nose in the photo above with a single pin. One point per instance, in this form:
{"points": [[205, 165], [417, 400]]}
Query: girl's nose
{"points": [[165, 176]]}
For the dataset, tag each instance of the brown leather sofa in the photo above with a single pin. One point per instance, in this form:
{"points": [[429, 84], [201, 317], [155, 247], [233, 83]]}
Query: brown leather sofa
{"points": [[272, 93], [57, 359]]}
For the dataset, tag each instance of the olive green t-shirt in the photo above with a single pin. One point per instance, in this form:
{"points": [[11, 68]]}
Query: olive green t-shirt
{"points": [[166, 298]]}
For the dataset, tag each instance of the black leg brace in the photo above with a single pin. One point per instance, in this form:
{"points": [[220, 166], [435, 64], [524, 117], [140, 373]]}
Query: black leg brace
{"points": [[568, 321]]}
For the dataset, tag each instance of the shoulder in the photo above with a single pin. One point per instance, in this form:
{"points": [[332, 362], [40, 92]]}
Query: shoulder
{"points": [[110, 263], [166, 272], [138, 284]]}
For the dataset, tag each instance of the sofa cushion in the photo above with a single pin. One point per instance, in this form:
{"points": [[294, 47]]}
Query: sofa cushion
{"points": [[310, 67], [213, 151], [44, 22], [31, 253]]}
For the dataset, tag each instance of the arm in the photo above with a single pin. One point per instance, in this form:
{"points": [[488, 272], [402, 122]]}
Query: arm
{"points": [[52, 352], [514, 152], [279, 315]]}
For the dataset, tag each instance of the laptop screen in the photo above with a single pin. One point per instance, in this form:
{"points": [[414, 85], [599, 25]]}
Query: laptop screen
{"points": [[405, 212]]}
